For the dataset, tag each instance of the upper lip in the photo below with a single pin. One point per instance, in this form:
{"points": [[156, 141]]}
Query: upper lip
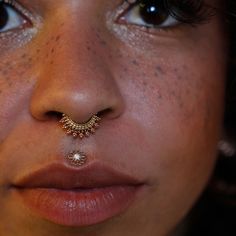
{"points": [[58, 176]]}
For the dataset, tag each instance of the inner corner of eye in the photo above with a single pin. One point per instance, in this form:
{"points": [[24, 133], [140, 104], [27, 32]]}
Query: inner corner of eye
{"points": [[133, 16]]}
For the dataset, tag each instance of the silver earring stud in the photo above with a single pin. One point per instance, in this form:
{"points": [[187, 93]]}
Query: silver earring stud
{"points": [[226, 148]]}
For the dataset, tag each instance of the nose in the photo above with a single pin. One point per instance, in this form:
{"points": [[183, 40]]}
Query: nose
{"points": [[75, 81]]}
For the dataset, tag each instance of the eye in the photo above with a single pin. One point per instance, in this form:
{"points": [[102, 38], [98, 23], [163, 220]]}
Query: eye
{"points": [[10, 18], [149, 13]]}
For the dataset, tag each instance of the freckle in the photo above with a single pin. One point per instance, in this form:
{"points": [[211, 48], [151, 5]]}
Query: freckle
{"points": [[30, 59], [156, 74], [38, 50], [134, 62], [4, 72], [103, 42], [47, 43], [98, 35], [159, 70], [125, 69], [52, 50], [62, 24], [23, 56], [58, 38], [51, 62], [172, 93], [145, 83]]}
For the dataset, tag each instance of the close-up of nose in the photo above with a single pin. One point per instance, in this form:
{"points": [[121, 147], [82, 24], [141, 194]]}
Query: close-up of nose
{"points": [[75, 83]]}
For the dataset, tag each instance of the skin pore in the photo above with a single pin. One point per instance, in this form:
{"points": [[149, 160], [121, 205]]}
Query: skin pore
{"points": [[159, 92]]}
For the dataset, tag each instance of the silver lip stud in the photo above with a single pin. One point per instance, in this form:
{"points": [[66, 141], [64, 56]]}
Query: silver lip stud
{"points": [[76, 158]]}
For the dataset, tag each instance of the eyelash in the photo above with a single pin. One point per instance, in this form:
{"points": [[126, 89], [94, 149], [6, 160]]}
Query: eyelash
{"points": [[192, 12]]}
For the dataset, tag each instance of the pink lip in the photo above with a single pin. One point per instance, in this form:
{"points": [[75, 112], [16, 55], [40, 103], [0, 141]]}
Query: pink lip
{"points": [[77, 197]]}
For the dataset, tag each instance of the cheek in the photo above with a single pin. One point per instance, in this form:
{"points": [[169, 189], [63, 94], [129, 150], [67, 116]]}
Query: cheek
{"points": [[16, 77], [176, 106], [174, 109]]}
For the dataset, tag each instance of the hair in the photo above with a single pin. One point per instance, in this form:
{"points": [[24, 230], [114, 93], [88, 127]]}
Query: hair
{"points": [[214, 214], [230, 112], [225, 170]]}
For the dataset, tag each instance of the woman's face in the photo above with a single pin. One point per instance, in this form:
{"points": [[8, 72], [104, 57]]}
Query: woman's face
{"points": [[159, 91]]}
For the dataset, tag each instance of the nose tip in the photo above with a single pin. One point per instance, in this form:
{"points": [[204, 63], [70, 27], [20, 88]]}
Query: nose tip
{"points": [[80, 104], [77, 93]]}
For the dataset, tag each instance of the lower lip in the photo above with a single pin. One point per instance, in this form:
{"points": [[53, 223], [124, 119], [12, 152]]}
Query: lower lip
{"points": [[78, 208]]}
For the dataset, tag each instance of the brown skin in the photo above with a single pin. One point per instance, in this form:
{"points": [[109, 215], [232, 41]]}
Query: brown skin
{"points": [[160, 93]]}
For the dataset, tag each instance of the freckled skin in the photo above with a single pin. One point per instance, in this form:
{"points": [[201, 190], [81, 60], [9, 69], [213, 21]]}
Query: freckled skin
{"points": [[162, 105]]}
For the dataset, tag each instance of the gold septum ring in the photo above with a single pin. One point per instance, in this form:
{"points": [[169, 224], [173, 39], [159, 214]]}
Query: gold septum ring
{"points": [[80, 130]]}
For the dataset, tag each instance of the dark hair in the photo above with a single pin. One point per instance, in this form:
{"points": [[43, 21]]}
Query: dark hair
{"points": [[230, 112], [226, 167], [214, 214]]}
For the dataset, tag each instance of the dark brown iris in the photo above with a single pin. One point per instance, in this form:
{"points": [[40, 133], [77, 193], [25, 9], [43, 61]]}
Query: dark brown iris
{"points": [[3, 15], [153, 12]]}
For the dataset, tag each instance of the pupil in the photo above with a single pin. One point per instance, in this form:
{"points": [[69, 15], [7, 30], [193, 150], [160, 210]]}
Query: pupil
{"points": [[3, 16], [152, 11]]}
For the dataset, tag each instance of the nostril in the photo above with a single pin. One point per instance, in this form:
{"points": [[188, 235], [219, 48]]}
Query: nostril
{"points": [[105, 113], [54, 115]]}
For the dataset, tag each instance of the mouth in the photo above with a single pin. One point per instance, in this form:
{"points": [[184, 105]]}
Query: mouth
{"points": [[77, 197]]}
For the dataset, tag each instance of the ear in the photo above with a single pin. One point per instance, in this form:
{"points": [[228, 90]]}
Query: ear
{"points": [[223, 183]]}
